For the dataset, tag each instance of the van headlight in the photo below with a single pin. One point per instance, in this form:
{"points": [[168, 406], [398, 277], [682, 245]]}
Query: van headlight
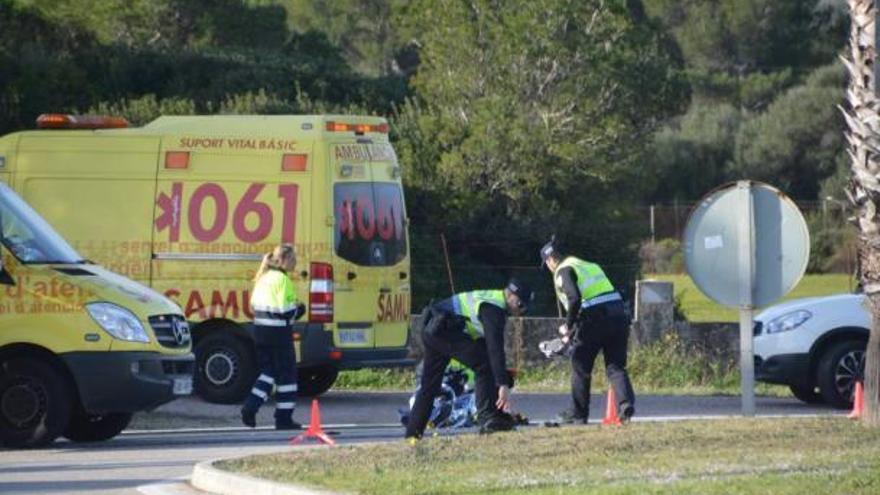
{"points": [[788, 321], [118, 322]]}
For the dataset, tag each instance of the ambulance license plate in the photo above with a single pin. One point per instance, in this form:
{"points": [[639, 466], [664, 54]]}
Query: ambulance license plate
{"points": [[183, 385], [354, 336]]}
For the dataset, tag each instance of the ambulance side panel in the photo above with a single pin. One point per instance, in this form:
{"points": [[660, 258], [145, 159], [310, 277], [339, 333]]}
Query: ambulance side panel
{"points": [[219, 213], [97, 191]]}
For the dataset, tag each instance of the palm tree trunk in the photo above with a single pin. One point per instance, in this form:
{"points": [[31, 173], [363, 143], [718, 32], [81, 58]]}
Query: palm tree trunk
{"points": [[863, 120]]}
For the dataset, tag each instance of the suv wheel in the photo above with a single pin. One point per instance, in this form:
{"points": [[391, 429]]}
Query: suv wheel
{"points": [[839, 367], [807, 394]]}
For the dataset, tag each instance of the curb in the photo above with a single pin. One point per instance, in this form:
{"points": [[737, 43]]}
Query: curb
{"points": [[208, 478]]}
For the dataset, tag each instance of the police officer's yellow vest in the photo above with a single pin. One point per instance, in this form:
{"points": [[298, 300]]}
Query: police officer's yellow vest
{"points": [[591, 280], [273, 299], [467, 304]]}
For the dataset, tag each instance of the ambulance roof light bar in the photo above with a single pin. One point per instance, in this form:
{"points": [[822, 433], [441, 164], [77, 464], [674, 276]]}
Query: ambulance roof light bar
{"points": [[357, 128], [66, 121]]}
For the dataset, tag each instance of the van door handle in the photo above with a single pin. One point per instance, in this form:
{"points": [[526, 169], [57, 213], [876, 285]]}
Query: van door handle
{"points": [[402, 275], [352, 275], [384, 290]]}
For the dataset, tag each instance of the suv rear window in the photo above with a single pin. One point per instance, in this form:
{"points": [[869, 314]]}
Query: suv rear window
{"points": [[369, 223]]}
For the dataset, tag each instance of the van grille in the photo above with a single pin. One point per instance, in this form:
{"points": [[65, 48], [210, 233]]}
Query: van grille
{"points": [[171, 330]]}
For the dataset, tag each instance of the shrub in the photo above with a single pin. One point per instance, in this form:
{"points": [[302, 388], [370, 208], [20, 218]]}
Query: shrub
{"points": [[664, 256]]}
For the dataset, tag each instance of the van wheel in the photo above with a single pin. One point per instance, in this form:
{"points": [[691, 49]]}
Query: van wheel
{"points": [[806, 394], [96, 427], [34, 403], [315, 380], [226, 368], [838, 370]]}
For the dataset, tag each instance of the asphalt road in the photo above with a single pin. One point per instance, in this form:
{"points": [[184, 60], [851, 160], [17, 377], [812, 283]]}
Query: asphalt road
{"points": [[138, 460]]}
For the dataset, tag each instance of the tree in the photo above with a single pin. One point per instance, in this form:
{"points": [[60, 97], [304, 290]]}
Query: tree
{"points": [[365, 30], [863, 120], [796, 143], [539, 114]]}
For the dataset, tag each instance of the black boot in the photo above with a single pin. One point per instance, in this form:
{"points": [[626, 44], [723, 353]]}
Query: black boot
{"points": [[499, 421], [248, 417], [625, 412], [287, 424]]}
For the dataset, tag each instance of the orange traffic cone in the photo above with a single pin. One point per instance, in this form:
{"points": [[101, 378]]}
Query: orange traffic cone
{"points": [[611, 409], [314, 430], [858, 402]]}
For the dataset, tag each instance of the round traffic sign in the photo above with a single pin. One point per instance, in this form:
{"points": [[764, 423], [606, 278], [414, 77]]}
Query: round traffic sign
{"points": [[746, 244]]}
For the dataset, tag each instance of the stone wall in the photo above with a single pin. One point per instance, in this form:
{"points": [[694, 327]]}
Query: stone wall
{"points": [[720, 340]]}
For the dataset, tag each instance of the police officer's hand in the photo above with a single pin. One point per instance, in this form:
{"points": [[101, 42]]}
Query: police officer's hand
{"points": [[503, 402]]}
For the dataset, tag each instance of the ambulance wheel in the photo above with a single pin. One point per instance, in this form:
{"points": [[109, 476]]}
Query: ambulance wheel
{"points": [[226, 367], [96, 428], [315, 380], [34, 403]]}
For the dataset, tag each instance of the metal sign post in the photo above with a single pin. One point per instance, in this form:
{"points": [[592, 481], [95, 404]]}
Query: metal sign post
{"points": [[746, 258]]}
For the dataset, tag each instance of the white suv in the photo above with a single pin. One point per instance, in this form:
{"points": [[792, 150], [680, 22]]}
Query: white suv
{"points": [[816, 346]]}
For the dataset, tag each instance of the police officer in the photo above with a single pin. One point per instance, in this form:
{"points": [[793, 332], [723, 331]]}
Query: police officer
{"points": [[275, 308], [595, 321], [469, 327]]}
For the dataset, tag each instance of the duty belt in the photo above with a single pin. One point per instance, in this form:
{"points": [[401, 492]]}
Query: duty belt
{"points": [[604, 298]]}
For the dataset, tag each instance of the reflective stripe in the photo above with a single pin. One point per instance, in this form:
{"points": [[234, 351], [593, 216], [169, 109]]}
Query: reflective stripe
{"points": [[259, 393], [285, 405], [321, 286], [274, 309], [266, 322], [266, 378], [286, 388], [613, 296], [271, 316]]}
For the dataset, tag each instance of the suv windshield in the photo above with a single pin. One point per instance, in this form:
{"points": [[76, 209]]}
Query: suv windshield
{"points": [[28, 236], [369, 223]]}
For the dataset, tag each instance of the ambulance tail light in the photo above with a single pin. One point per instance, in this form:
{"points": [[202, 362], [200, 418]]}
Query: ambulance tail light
{"points": [[321, 293], [357, 128], [63, 121]]}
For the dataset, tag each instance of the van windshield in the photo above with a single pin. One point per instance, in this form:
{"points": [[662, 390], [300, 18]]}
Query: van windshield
{"points": [[28, 236], [369, 223]]}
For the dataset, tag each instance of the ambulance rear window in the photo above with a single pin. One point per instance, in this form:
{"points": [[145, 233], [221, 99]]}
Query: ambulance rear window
{"points": [[369, 223]]}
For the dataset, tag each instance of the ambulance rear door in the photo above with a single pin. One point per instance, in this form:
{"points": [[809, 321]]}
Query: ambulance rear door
{"points": [[368, 244]]}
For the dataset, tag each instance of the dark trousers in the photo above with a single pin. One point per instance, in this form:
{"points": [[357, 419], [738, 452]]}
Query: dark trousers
{"points": [[276, 358], [438, 351], [603, 329]]}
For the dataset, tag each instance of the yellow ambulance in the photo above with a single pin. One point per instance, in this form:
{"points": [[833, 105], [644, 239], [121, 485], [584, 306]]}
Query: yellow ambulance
{"points": [[81, 348], [189, 204]]}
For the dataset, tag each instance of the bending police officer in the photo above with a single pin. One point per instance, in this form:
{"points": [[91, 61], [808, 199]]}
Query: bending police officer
{"points": [[595, 321], [469, 327]]}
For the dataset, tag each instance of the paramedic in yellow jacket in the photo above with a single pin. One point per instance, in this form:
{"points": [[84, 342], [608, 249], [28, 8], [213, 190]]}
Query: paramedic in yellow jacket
{"points": [[275, 308]]}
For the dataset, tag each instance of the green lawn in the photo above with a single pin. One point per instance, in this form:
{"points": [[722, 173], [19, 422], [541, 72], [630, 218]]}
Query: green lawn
{"points": [[699, 308], [778, 456]]}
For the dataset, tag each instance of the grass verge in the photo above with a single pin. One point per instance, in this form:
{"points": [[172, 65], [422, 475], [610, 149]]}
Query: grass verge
{"points": [[781, 456]]}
